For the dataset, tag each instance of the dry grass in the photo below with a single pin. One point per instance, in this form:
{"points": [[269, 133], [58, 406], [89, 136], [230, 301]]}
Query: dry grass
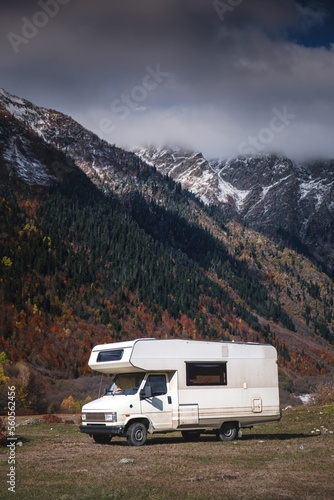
{"points": [[290, 459]]}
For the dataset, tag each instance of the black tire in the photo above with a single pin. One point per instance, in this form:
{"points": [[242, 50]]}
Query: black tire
{"points": [[190, 436], [101, 438], [136, 434], [228, 431]]}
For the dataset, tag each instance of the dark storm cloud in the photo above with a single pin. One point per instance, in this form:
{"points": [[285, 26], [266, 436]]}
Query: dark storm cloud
{"points": [[228, 69]]}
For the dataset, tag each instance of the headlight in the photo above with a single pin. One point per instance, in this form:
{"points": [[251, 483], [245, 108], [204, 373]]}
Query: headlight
{"points": [[111, 417], [83, 416]]}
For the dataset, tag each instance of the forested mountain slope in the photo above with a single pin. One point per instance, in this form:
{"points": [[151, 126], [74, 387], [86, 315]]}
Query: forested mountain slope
{"points": [[98, 246]]}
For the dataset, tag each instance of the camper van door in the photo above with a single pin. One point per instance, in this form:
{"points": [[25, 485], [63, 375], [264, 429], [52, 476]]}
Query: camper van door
{"points": [[158, 406]]}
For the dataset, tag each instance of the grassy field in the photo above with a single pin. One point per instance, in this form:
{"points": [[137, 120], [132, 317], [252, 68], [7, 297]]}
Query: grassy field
{"points": [[290, 459]]}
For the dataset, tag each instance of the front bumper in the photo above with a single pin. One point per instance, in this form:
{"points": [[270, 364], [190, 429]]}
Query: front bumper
{"points": [[112, 430]]}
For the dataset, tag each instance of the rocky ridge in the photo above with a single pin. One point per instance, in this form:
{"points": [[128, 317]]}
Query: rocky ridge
{"points": [[269, 193]]}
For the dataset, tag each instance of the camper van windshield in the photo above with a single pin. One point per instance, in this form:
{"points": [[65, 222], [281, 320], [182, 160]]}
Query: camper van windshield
{"points": [[125, 384]]}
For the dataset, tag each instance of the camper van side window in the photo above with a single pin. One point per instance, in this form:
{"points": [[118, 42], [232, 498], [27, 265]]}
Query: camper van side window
{"points": [[206, 374], [114, 355], [158, 384]]}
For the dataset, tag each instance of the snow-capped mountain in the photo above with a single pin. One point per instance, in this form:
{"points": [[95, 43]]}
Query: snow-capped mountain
{"points": [[40, 147], [269, 192], [191, 169], [26, 159], [95, 157]]}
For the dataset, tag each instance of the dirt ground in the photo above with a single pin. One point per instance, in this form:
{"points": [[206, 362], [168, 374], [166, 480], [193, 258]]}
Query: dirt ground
{"points": [[290, 459]]}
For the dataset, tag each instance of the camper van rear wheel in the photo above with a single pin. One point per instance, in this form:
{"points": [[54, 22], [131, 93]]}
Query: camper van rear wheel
{"points": [[101, 438], [136, 434], [190, 436], [228, 431]]}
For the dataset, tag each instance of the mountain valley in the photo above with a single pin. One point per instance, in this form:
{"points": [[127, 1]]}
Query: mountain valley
{"points": [[99, 244]]}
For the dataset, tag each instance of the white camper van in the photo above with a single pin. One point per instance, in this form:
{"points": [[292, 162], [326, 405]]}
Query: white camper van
{"points": [[182, 385]]}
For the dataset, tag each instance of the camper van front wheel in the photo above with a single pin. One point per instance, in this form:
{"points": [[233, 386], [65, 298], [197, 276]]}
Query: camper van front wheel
{"points": [[228, 431], [136, 434]]}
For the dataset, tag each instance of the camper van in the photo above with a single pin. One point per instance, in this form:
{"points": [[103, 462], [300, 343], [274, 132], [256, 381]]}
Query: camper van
{"points": [[182, 385]]}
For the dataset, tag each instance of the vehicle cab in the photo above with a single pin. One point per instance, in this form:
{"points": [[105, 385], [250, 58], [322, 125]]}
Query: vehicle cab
{"points": [[135, 403]]}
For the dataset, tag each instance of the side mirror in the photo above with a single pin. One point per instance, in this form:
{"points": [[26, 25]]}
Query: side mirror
{"points": [[146, 392], [104, 391]]}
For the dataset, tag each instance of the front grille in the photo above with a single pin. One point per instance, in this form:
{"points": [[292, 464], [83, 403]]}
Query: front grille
{"points": [[96, 417]]}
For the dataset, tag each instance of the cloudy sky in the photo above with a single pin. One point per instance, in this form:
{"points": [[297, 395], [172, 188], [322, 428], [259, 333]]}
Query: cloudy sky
{"points": [[226, 77]]}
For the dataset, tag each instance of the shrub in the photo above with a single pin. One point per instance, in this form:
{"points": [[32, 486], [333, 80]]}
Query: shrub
{"points": [[30, 387], [51, 408], [323, 394], [68, 405], [23, 412], [51, 419]]}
